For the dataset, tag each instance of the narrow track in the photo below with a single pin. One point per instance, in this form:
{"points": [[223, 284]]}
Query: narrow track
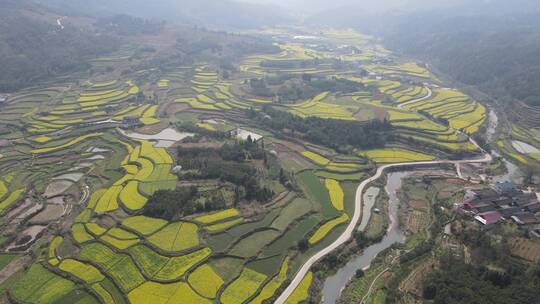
{"points": [[428, 96]]}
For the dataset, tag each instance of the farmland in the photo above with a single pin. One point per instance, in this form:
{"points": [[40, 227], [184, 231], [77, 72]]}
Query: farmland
{"points": [[213, 215]]}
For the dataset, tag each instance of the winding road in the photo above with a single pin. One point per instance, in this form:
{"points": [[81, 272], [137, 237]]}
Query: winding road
{"points": [[428, 96], [347, 234]]}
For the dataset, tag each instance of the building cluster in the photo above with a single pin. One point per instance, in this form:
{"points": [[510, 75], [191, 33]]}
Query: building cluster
{"points": [[504, 202]]}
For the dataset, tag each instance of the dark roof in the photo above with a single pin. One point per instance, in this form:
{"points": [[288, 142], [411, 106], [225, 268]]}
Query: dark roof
{"points": [[486, 209], [508, 212], [503, 201], [534, 208], [486, 193], [525, 200], [505, 187], [525, 218]]}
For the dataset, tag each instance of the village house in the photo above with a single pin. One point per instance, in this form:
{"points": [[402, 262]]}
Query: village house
{"points": [[503, 202], [131, 122]]}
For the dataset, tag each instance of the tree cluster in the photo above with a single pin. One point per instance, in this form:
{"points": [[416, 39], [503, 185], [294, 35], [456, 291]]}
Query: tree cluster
{"points": [[227, 164], [340, 135]]}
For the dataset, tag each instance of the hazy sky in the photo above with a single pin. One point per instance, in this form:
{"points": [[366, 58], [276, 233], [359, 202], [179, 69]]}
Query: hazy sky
{"points": [[308, 6]]}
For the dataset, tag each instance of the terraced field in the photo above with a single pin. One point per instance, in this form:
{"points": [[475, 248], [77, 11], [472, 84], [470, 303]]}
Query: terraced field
{"points": [[63, 147]]}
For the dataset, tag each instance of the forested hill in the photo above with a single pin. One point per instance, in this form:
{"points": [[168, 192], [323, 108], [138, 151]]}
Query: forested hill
{"points": [[33, 46], [214, 14], [497, 54]]}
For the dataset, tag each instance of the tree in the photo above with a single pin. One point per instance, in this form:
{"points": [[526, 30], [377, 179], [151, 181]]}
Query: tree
{"points": [[303, 245]]}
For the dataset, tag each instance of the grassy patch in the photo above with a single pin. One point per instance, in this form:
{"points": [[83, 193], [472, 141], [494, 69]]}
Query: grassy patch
{"points": [[254, 243]]}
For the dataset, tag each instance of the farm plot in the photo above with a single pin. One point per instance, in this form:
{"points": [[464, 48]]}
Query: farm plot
{"points": [[243, 287], [316, 192], [270, 288], [251, 245], [316, 158], [224, 225], [176, 237], [407, 69], [294, 210], [340, 176], [68, 144], [148, 169], [38, 286], [301, 293], [143, 224], [160, 267], [11, 199], [120, 238], [292, 236], [153, 292], [336, 193], [87, 273], [454, 107], [409, 94], [326, 228], [56, 241], [80, 235], [218, 216], [119, 267], [317, 108], [205, 281], [395, 155]]}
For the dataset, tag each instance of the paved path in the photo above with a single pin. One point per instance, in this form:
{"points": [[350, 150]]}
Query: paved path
{"points": [[347, 234], [428, 96]]}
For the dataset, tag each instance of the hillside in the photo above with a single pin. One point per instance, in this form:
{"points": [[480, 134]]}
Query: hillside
{"points": [[33, 46], [474, 43], [39, 43]]}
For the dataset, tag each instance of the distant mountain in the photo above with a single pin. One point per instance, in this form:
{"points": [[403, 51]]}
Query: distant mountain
{"points": [[215, 14], [491, 44]]}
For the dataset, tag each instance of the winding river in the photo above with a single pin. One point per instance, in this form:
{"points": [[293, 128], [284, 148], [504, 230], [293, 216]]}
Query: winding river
{"points": [[334, 284]]}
